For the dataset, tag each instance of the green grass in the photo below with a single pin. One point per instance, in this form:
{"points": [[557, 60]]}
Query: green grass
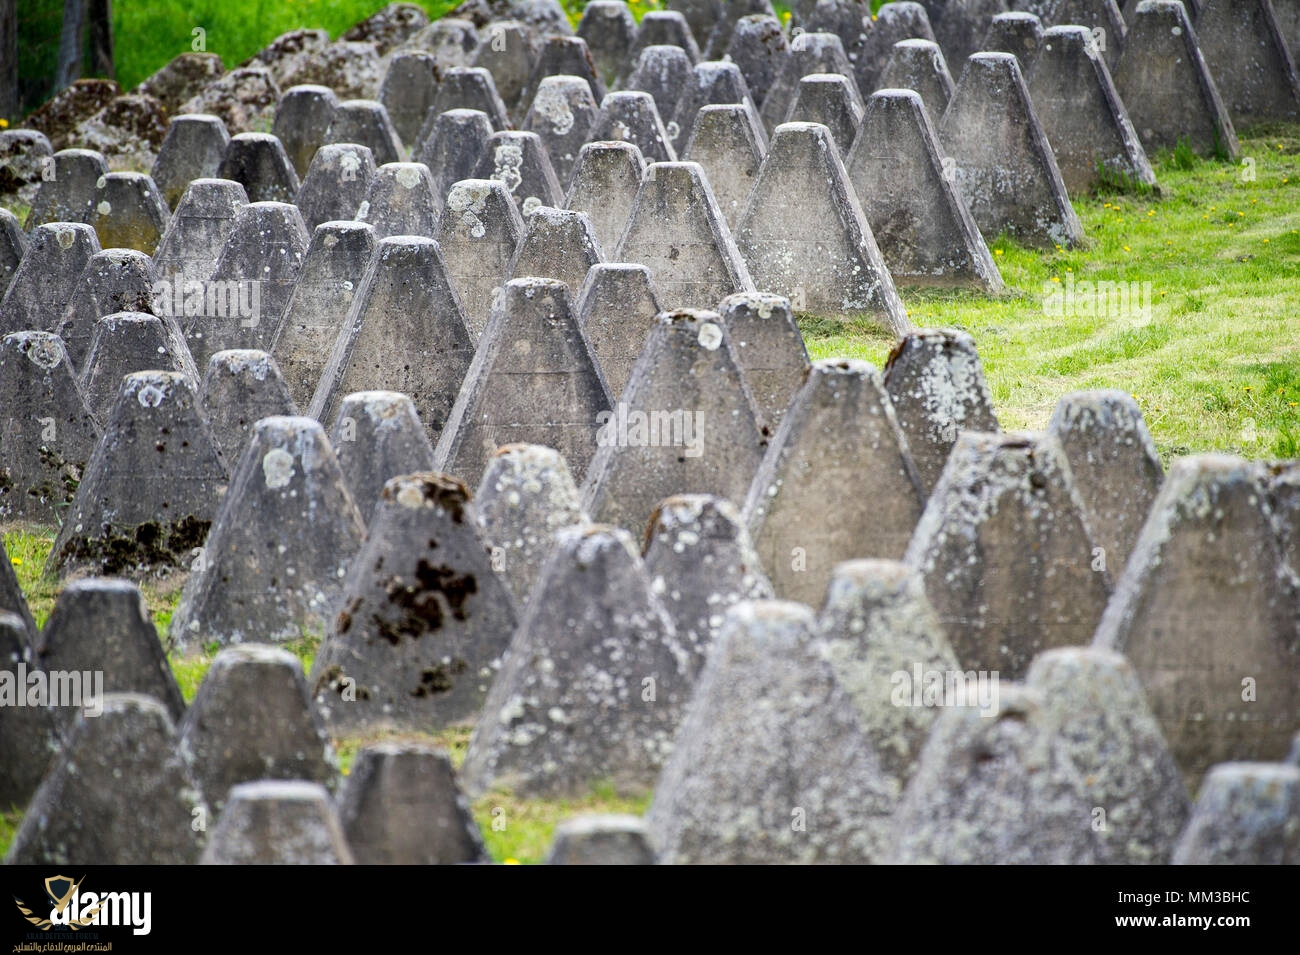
{"points": [[521, 830]]}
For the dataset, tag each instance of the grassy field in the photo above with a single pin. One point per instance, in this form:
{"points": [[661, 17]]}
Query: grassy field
{"points": [[1214, 363]]}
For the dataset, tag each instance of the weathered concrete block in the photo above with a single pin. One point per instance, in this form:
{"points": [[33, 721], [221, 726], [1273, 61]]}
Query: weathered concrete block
{"points": [[809, 53], [400, 805], [557, 244], [829, 99], [617, 308], [937, 387], [823, 258], [336, 184], [151, 488], [561, 56], [1101, 18], [68, 194], [28, 740], [758, 46], [456, 142], [594, 684], [1167, 86], [128, 131], [130, 212], [252, 719], [958, 26], [631, 117], [125, 342], [239, 388], [273, 565], [182, 78], [601, 840], [1248, 56], [114, 280], [839, 432], [377, 437], [678, 232], [770, 764], [365, 121], [190, 248], [465, 88], [47, 276], [1017, 32], [402, 201], [919, 65], [275, 822], [407, 92], [664, 28], [244, 99], [686, 423], [425, 619], [918, 218], [88, 806], [194, 148], [769, 349], [12, 601], [562, 114], [663, 72], [509, 53], [302, 121], [609, 30], [479, 231], [1004, 166], [405, 332], [258, 162], [389, 27], [1246, 814], [1087, 125], [606, 178], [533, 380], [519, 160], [1208, 619], [727, 23], [729, 144], [714, 83]]}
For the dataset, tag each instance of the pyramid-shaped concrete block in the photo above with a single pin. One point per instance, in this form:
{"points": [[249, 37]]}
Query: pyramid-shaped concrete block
{"points": [[239, 388], [401, 805], [28, 738], [686, 423], [594, 684], [191, 246], [408, 90], [609, 30], [425, 618], [679, 233], [456, 141], [665, 28], [601, 840], [402, 200], [561, 56], [1003, 163], [1284, 501], [989, 787], [882, 638], [1249, 58], [11, 596], [759, 47], [377, 437], [1115, 465], [839, 432], [131, 341], [258, 162], [519, 160], [332, 271], [824, 259], [69, 194], [13, 244], [557, 244], [1165, 83], [729, 144], [463, 89], [366, 122], [251, 719], [1205, 610], [606, 178], [478, 234], [193, 149], [1107, 733], [770, 764], [102, 625], [1246, 814], [336, 183], [274, 562], [663, 72], [937, 386], [1017, 32], [831, 100], [509, 54], [1101, 18], [1087, 125], [405, 332], [151, 488], [48, 430], [631, 116], [562, 114], [1008, 557], [245, 299], [919, 65], [526, 496], [711, 83], [701, 562], [114, 280], [727, 21], [809, 53], [769, 348], [130, 212], [47, 277], [919, 220], [302, 120], [533, 380], [278, 822], [88, 808], [617, 308]]}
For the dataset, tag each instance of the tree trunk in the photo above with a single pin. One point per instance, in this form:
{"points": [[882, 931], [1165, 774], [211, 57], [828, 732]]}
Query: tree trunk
{"points": [[101, 38], [74, 15], [9, 60]]}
